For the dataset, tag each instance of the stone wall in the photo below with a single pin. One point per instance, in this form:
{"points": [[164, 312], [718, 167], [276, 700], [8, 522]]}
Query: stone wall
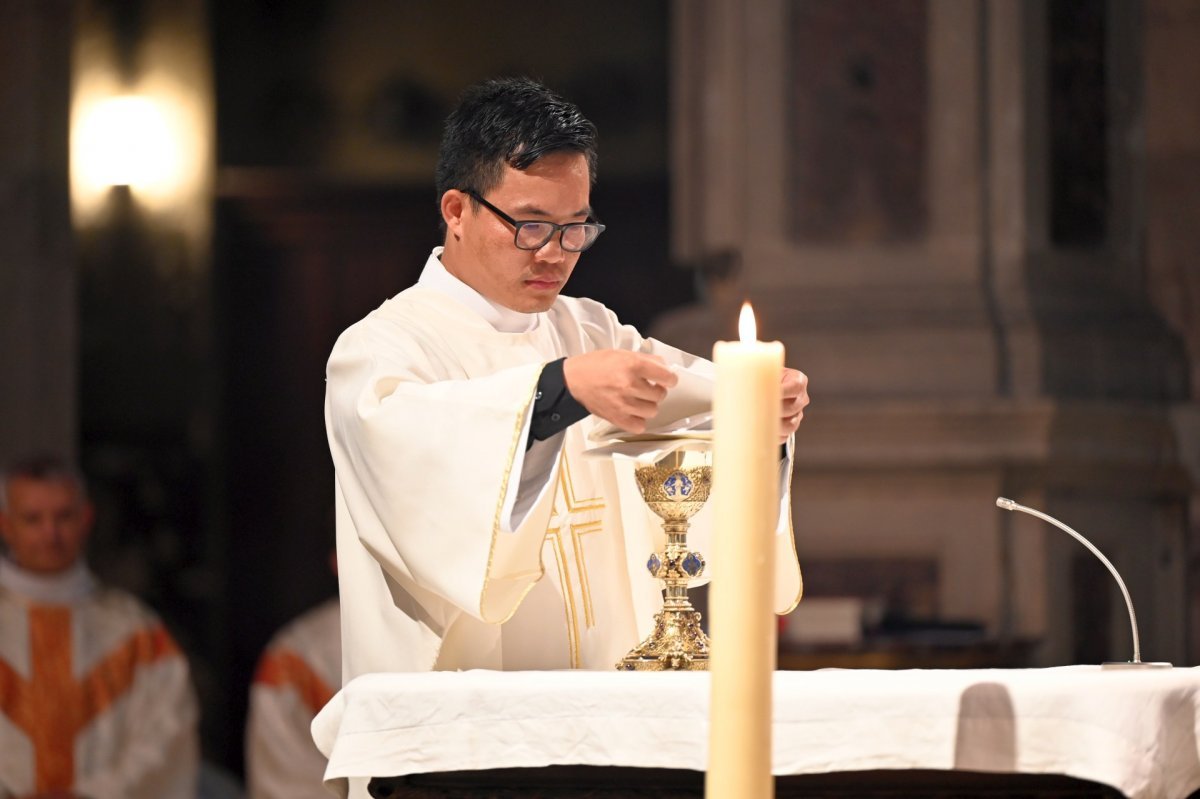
{"points": [[990, 330]]}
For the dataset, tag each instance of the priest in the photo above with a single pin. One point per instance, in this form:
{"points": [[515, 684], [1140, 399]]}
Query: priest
{"points": [[96, 698], [472, 533]]}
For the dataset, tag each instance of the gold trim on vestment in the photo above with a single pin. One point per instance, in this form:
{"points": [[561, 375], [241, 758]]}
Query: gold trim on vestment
{"points": [[512, 452], [585, 589], [573, 505], [564, 578]]}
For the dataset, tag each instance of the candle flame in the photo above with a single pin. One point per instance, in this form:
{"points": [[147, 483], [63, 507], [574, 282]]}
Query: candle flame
{"points": [[747, 330]]}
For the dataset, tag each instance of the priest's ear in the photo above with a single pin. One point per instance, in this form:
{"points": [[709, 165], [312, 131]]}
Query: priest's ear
{"points": [[454, 207]]}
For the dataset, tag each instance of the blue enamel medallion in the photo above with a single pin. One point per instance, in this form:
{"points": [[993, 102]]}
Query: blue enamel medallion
{"points": [[677, 485]]}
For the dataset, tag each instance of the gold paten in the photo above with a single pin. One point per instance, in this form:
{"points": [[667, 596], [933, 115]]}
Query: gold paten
{"points": [[675, 488]]}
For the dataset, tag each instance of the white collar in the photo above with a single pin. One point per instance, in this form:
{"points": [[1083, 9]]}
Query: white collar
{"points": [[435, 276], [63, 588]]}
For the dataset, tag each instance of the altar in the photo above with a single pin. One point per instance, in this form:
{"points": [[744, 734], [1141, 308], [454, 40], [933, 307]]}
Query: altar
{"points": [[1136, 731]]}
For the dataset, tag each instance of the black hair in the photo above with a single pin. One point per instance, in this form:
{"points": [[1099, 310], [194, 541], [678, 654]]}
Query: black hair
{"points": [[508, 121]]}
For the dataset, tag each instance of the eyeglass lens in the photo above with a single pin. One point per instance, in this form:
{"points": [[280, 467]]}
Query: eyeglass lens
{"points": [[576, 236]]}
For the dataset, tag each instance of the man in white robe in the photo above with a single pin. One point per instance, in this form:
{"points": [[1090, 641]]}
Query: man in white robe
{"points": [[95, 696], [298, 672], [471, 531]]}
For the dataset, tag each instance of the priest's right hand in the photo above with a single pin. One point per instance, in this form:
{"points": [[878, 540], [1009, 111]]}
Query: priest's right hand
{"points": [[619, 386]]}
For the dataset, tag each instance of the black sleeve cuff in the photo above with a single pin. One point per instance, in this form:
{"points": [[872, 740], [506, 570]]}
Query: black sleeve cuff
{"points": [[554, 409]]}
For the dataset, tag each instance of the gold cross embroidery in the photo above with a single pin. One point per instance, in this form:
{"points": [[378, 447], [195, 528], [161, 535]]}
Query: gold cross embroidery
{"points": [[577, 530]]}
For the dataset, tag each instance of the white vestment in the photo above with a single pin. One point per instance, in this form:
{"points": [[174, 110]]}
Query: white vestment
{"points": [[457, 548], [95, 696], [300, 669]]}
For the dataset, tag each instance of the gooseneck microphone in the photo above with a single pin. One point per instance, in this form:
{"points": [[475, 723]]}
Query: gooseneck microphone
{"points": [[1137, 661]]}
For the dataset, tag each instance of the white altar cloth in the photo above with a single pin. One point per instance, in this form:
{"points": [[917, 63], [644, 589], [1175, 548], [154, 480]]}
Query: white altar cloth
{"points": [[1134, 730]]}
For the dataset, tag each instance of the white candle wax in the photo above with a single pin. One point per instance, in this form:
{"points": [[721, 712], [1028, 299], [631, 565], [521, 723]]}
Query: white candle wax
{"points": [[746, 419]]}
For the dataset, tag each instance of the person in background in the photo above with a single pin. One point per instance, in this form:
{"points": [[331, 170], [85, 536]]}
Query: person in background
{"points": [[298, 672], [96, 696]]}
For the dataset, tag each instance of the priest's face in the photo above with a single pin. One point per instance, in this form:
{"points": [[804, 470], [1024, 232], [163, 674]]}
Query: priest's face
{"points": [[480, 246], [45, 524]]}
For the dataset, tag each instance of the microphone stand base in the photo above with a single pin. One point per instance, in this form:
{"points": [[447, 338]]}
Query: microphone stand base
{"points": [[1114, 665]]}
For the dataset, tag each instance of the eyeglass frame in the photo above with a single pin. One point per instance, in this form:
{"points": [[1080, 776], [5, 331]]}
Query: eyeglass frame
{"points": [[554, 226]]}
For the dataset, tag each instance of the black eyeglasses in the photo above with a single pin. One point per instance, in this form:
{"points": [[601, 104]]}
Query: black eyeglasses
{"points": [[533, 235]]}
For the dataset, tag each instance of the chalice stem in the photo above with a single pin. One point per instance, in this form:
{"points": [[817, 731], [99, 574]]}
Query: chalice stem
{"points": [[675, 586]]}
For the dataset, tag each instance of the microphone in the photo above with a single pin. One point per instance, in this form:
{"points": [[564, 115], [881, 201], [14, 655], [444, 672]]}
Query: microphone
{"points": [[1137, 661]]}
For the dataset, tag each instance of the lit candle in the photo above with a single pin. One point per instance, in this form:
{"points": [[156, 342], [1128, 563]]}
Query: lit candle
{"points": [[746, 414]]}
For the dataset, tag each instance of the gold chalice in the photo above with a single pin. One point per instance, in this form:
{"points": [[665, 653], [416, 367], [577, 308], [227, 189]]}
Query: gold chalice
{"points": [[675, 488]]}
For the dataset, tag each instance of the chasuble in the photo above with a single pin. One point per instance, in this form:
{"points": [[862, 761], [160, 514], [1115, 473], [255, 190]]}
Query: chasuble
{"points": [[458, 546], [95, 696], [299, 670]]}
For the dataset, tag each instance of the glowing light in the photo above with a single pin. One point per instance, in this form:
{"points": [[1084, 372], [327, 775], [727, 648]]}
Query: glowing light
{"points": [[149, 129], [747, 329], [127, 141]]}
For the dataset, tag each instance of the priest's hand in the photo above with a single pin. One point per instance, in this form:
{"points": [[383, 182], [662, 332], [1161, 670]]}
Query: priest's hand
{"points": [[619, 386], [795, 397]]}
